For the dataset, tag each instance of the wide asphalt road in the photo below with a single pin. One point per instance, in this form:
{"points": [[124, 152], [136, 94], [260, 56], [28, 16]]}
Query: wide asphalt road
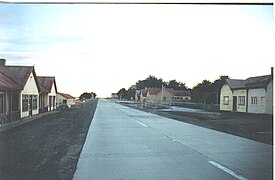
{"points": [[124, 143]]}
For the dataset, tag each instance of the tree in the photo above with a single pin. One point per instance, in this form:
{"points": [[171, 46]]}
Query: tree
{"points": [[149, 82], [207, 92], [122, 93], [176, 85], [87, 95]]}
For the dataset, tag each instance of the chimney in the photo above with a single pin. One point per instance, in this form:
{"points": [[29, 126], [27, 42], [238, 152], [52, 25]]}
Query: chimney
{"points": [[2, 62]]}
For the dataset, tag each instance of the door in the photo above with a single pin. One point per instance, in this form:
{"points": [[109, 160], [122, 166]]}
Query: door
{"points": [[262, 105], [30, 105], [234, 103]]}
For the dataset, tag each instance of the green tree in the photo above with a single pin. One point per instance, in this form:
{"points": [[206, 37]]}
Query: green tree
{"points": [[208, 92], [149, 82], [122, 93], [87, 95], [176, 85]]}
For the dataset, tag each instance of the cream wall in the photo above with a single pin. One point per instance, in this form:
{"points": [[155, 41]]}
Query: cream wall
{"points": [[240, 92], [30, 89], [226, 91], [157, 99], [259, 107], [52, 93]]}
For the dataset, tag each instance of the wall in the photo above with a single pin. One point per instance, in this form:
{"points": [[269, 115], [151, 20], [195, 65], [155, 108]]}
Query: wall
{"points": [[269, 98], [53, 94], [30, 89], [226, 91], [259, 107], [240, 92]]}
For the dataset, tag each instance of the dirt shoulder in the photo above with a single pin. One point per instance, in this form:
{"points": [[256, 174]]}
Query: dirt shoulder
{"points": [[48, 147], [257, 127]]}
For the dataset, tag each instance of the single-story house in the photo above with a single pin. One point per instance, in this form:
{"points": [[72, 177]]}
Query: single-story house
{"points": [[48, 91], [181, 95], [67, 99], [166, 95], [252, 95], [19, 92]]}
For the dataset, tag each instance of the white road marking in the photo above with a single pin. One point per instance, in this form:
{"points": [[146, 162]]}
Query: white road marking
{"points": [[142, 124], [232, 173]]}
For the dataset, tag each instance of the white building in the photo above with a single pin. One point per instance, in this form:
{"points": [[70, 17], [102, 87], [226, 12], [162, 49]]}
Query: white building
{"points": [[67, 99], [253, 95]]}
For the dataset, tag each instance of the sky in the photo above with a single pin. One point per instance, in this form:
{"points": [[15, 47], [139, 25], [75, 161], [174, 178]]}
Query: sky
{"points": [[102, 48]]}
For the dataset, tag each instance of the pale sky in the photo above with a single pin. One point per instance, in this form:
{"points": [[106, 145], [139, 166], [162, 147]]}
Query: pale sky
{"points": [[106, 47]]}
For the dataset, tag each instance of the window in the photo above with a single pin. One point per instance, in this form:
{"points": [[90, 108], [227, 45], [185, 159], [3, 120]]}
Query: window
{"points": [[25, 103], [254, 100], [226, 100], [34, 102], [241, 100]]}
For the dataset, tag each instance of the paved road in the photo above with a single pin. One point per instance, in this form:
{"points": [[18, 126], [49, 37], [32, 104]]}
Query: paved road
{"points": [[124, 143]]}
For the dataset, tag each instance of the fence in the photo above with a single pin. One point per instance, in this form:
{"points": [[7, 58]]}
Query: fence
{"points": [[210, 107]]}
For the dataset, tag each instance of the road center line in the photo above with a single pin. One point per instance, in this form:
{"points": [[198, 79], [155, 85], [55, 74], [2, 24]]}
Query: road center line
{"points": [[232, 173], [142, 124]]}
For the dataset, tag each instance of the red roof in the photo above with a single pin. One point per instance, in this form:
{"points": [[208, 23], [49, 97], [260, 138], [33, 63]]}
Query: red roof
{"points": [[67, 96], [153, 91], [46, 83], [17, 75], [6, 83]]}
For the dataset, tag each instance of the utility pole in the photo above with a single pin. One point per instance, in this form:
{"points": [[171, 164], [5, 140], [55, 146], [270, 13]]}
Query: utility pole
{"points": [[161, 93]]}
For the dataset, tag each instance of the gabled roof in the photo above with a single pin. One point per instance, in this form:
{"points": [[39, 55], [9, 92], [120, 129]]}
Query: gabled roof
{"points": [[46, 83], [67, 96], [153, 91], [235, 83], [6, 83], [18, 74], [249, 83], [258, 82]]}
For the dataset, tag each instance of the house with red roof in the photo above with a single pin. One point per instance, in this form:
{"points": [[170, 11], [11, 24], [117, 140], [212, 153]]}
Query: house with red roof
{"points": [[19, 92], [48, 93], [166, 95], [252, 95], [66, 99]]}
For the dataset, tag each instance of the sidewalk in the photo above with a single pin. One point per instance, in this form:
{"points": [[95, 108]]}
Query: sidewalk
{"points": [[20, 122]]}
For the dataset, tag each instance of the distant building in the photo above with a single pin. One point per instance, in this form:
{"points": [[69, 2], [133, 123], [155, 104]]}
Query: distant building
{"points": [[67, 99], [162, 95], [253, 95]]}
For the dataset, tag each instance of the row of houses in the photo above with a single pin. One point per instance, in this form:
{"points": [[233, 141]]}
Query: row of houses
{"points": [[162, 95], [251, 95], [24, 94]]}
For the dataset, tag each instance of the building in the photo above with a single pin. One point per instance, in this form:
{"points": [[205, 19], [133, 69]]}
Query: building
{"points": [[167, 95], [181, 96], [48, 91], [19, 92], [140, 95], [67, 99], [252, 95]]}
